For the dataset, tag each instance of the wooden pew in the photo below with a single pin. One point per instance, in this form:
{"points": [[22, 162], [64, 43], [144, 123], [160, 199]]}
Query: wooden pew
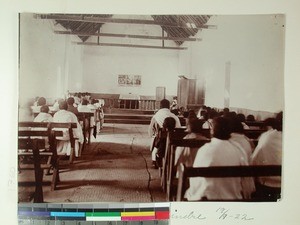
{"points": [[182, 121], [85, 118], [254, 134], [40, 126], [51, 126], [32, 140], [177, 134], [172, 169], [223, 171], [255, 124], [70, 127]]}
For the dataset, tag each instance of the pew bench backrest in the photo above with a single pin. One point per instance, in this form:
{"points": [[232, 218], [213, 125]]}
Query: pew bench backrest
{"points": [[223, 172]]}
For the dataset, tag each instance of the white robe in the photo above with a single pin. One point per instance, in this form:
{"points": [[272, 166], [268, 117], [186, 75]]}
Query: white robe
{"points": [[43, 117], [269, 152], [219, 153], [46, 118], [159, 118], [243, 143], [88, 109], [64, 145]]}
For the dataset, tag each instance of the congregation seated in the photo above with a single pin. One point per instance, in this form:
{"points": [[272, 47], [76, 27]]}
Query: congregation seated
{"points": [[157, 122], [220, 152], [174, 107], [250, 118], [55, 106], [243, 143], [189, 115], [187, 155], [201, 111], [168, 125], [99, 117], [64, 144], [83, 107], [77, 98], [25, 112], [207, 121], [92, 105], [71, 107], [269, 152], [37, 107], [241, 117], [44, 115]]}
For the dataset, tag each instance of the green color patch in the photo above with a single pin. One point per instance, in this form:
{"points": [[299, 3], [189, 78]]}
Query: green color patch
{"points": [[103, 214]]}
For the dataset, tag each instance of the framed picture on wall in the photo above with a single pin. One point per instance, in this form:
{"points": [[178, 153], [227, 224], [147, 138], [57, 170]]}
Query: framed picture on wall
{"points": [[129, 80], [137, 80]]}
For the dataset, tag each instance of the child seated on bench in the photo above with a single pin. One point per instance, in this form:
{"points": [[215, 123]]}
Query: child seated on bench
{"points": [[185, 154]]}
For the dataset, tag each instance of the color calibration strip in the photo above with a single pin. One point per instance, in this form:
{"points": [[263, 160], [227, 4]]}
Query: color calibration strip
{"points": [[95, 212]]}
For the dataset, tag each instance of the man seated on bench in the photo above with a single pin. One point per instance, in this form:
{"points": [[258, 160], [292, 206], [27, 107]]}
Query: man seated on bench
{"points": [[157, 122], [219, 152], [269, 152], [71, 107], [168, 125], [64, 116], [25, 112], [40, 102], [239, 139], [44, 115]]}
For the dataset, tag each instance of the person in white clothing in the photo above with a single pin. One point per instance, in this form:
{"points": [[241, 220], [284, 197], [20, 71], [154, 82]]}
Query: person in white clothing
{"points": [[208, 122], [64, 116], [83, 107], [25, 112], [157, 122], [186, 155], [36, 108], [160, 115], [219, 152], [44, 117], [269, 152], [239, 139]]}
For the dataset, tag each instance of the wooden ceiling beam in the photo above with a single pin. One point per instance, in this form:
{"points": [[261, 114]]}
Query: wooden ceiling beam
{"points": [[128, 36], [87, 19], [129, 45]]}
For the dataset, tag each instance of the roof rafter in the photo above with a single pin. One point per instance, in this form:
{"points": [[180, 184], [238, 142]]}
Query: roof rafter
{"points": [[129, 45], [127, 36], [87, 19]]}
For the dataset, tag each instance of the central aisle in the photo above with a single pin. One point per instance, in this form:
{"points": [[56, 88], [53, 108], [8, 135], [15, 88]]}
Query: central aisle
{"points": [[115, 167]]}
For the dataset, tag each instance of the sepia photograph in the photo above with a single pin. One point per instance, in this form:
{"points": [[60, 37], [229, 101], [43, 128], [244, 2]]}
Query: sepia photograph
{"points": [[150, 108]]}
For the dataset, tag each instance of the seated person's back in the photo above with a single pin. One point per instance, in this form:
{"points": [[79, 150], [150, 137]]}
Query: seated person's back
{"points": [[64, 116], [187, 155], [168, 125], [269, 152], [83, 106], [45, 117], [219, 152], [71, 107], [239, 139]]}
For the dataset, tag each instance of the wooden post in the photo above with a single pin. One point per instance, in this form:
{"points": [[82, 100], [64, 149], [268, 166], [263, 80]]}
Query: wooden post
{"points": [[38, 173]]}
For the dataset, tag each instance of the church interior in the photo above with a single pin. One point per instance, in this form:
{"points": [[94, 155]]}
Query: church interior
{"points": [[124, 66]]}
